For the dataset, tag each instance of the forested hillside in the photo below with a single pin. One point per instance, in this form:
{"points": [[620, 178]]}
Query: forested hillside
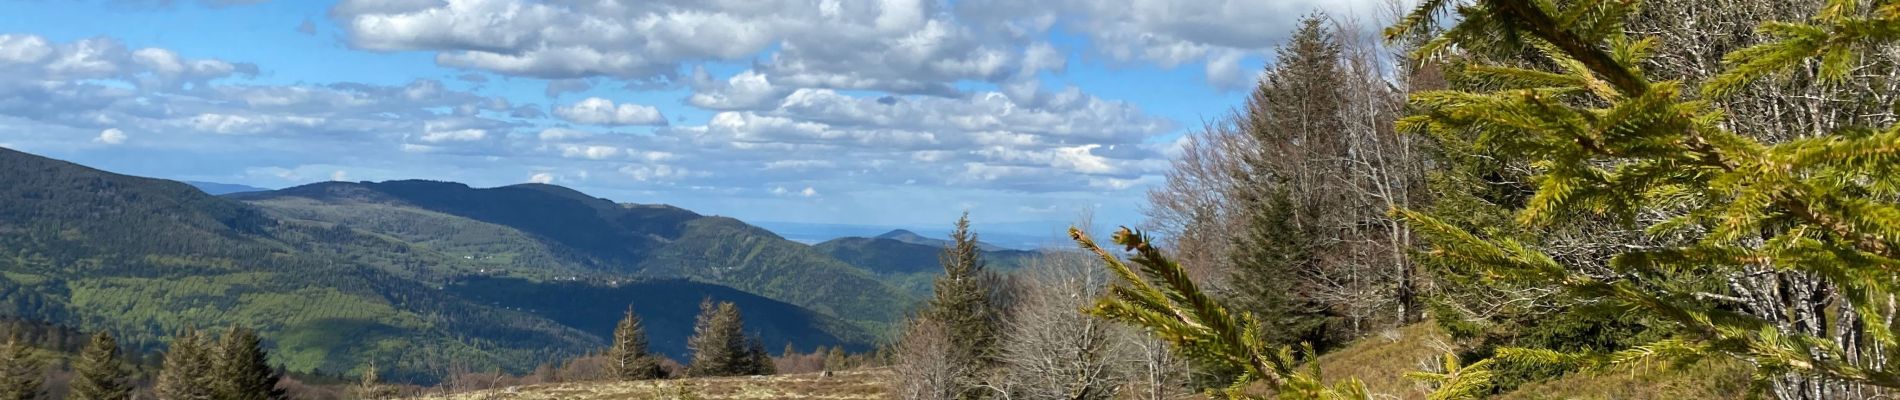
{"points": [[144, 258], [549, 232]]}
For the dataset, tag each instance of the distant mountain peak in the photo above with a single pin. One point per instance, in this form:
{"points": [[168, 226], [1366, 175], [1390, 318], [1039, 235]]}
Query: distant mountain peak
{"points": [[219, 189], [906, 236], [899, 234]]}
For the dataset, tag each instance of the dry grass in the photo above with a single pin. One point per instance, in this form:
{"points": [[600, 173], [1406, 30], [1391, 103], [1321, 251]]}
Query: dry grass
{"points": [[1381, 360], [861, 384], [1714, 378]]}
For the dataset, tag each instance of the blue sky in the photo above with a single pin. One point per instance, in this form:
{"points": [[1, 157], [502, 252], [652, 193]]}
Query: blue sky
{"points": [[864, 112]]}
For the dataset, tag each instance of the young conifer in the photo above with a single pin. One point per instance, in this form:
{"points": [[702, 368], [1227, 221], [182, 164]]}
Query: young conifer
{"points": [[187, 373], [628, 359], [100, 373], [22, 374], [241, 368]]}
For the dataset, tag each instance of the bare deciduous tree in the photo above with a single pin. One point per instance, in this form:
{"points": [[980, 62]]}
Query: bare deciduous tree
{"points": [[926, 367], [1049, 349]]}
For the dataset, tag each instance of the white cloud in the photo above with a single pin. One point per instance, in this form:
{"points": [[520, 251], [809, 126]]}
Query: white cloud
{"points": [[111, 136], [458, 135], [590, 152], [23, 49], [910, 46], [657, 172], [339, 175], [743, 91], [1167, 33], [542, 177], [235, 124], [599, 111], [780, 190]]}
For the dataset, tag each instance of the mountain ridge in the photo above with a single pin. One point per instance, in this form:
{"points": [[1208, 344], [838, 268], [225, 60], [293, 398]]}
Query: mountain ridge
{"points": [[567, 230], [145, 257]]}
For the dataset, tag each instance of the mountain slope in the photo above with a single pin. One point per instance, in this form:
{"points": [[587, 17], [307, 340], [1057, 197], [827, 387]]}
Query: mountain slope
{"points": [[537, 231], [144, 258], [668, 308]]}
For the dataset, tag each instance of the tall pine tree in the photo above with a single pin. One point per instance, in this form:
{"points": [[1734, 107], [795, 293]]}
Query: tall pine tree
{"points": [[1270, 256], [242, 368], [1292, 199], [628, 359], [100, 372], [187, 373], [21, 373]]}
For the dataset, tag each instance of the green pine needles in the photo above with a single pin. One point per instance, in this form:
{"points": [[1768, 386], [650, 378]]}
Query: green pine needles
{"points": [[1157, 294], [1607, 142], [1560, 86]]}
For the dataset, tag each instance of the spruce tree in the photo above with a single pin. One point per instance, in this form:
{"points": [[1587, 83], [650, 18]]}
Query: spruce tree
{"points": [[21, 373], [241, 368], [100, 372], [1270, 257], [719, 343], [187, 373], [963, 299], [628, 359]]}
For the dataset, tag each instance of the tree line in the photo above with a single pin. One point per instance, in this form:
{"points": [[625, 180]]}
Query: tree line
{"points": [[196, 366]]}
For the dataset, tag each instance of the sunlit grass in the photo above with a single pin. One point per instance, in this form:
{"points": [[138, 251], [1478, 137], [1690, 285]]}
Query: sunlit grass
{"points": [[861, 384]]}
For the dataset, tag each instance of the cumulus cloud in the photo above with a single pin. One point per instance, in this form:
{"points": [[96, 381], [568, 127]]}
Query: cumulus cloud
{"points": [[599, 111], [808, 191], [657, 172], [1167, 33], [590, 152], [110, 136], [743, 91], [909, 46], [876, 100], [458, 135], [99, 83]]}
